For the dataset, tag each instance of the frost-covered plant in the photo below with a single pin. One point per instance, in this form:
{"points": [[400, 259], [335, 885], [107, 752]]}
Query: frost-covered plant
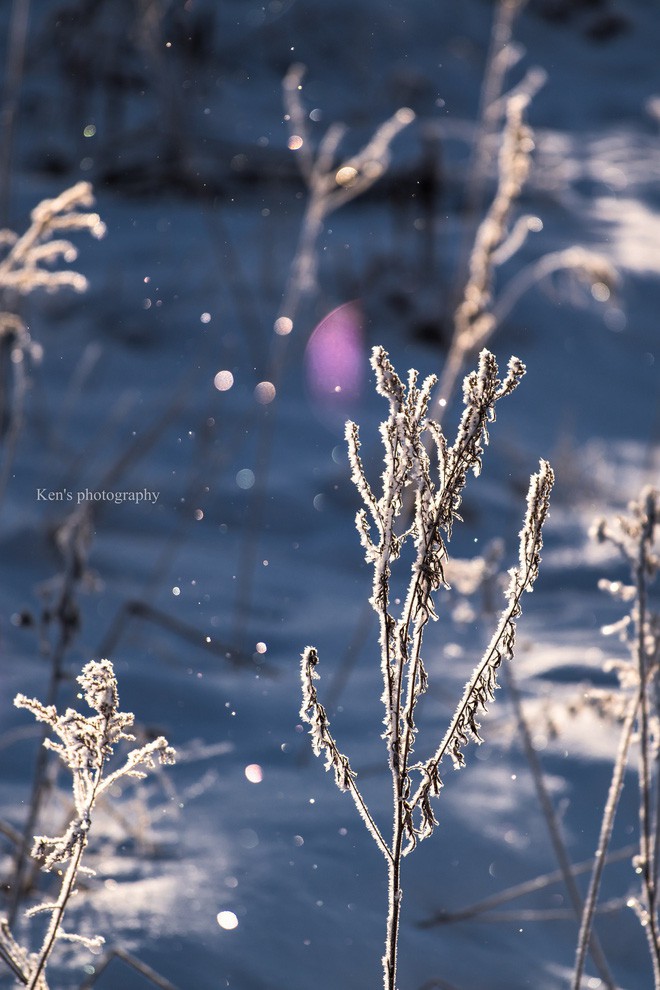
{"points": [[31, 260], [384, 528], [484, 306], [86, 745], [35, 260], [637, 707]]}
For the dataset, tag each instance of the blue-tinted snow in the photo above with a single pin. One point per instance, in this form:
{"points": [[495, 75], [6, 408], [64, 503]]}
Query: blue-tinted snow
{"points": [[289, 856]]}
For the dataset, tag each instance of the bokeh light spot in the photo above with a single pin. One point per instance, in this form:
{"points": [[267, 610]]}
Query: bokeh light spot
{"points": [[254, 773], [346, 176], [283, 326], [600, 292], [245, 478], [264, 393], [223, 381], [227, 920]]}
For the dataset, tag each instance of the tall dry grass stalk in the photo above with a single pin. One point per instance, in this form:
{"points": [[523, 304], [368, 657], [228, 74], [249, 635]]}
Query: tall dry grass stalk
{"points": [[384, 530], [637, 708], [331, 182]]}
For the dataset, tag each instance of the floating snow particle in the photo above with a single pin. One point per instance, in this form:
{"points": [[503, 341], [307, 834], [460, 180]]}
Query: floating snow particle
{"points": [[283, 326], [248, 838], [90, 130], [227, 920], [295, 142], [223, 381], [245, 478], [261, 647], [264, 393], [205, 318], [600, 292], [254, 773], [176, 592]]}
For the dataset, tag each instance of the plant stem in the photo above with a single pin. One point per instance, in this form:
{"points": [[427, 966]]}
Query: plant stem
{"points": [[646, 839], [66, 889], [39, 785], [395, 893], [607, 824], [554, 828], [69, 878]]}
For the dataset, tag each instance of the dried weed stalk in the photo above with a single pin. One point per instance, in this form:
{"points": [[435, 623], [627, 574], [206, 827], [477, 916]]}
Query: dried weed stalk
{"points": [[437, 500], [484, 306], [59, 622], [331, 182], [33, 261], [86, 745], [635, 537]]}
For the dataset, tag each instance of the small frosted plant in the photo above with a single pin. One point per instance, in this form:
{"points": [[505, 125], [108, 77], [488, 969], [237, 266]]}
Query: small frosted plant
{"points": [[86, 746], [437, 500]]}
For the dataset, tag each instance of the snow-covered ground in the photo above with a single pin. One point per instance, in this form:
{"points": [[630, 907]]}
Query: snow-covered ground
{"points": [[203, 205]]}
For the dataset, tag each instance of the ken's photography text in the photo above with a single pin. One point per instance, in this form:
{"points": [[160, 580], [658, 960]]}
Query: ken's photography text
{"points": [[92, 495]]}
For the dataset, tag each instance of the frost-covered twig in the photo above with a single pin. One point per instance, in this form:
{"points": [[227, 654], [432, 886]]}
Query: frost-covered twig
{"points": [[31, 260], [312, 711], [73, 539], [86, 744], [437, 501], [35, 261], [481, 687], [634, 537], [484, 308]]}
